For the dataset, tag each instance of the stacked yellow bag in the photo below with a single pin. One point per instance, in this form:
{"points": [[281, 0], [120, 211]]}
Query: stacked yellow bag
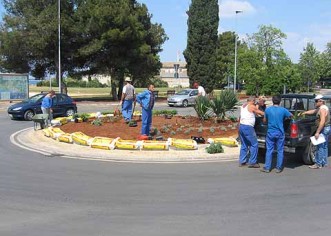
{"points": [[126, 144], [154, 145], [229, 142], [103, 143], [66, 138], [187, 144], [55, 132], [81, 138]]}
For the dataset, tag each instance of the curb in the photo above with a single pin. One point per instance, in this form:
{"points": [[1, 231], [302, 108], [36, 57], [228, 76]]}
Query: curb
{"points": [[35, 141]]}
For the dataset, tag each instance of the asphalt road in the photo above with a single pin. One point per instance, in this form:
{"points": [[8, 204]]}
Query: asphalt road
{"points": [[54, 196]]}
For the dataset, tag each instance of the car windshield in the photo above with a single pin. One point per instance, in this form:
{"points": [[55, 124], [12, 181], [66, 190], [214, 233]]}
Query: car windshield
{"points": [[34, 98], [183, 92]]}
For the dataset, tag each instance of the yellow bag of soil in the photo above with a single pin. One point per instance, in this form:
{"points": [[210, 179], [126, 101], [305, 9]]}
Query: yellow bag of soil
{"points": [[66, 138], [187, 144], [127, 144], [47, 132], [229, 142], [154, 145], [63, 120], [81, 138], [103, 143], [55, 132]]}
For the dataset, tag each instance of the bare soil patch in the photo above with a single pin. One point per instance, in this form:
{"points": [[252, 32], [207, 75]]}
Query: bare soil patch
{"points": [[176, 127]]}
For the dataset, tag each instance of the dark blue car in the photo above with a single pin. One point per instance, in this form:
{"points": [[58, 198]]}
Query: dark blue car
{"points": [[63, 105]]}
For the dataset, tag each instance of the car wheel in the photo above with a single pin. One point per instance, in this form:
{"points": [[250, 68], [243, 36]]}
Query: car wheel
{"points": [[309, 153], [28, 115], [185, 103], [70, 112], [170, 105]]}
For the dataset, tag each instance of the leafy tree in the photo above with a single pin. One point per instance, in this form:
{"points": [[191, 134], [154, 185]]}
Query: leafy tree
{"points": [[326, 62], [225, 56], [310, 65], [200, 52], [119, 39], [29, 29]]}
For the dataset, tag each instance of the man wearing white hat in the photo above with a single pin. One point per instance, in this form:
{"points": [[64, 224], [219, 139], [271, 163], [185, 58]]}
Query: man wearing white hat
{"points": [[323, 127], [127, 99]]}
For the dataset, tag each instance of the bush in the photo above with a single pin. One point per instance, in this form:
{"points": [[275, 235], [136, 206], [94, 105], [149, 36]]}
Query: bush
{"points": [[224, 102], [215, 148], [202, 107]]}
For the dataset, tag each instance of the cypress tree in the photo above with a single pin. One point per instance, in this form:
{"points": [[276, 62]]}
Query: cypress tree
{"points": [[200, 52]]}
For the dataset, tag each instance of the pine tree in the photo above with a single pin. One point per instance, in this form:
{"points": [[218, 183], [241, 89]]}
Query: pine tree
{"points": [[200, 52]]}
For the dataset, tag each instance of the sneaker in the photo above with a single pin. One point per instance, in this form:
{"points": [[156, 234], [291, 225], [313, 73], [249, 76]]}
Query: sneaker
{"points": [[265, 170], [315, 166], [256, 165], [242, 164], [279, 171]]}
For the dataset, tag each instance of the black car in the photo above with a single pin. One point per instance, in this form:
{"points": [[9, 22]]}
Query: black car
{"points": [[63, 105]]}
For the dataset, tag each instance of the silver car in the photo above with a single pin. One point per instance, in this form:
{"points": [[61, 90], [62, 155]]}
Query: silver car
{"points": [[183, 98]]}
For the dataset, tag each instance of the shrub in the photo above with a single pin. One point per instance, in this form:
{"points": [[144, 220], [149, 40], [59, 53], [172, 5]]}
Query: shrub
{"points": [[215, 148], [202, 107], [97, 122], [224, 102], [84, 116]]}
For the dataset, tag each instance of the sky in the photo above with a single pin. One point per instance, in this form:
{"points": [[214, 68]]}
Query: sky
{"points": [[302, 21]]}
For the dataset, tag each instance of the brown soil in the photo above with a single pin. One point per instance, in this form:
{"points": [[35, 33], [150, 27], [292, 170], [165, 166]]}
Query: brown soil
{"points": [[176, 127]]}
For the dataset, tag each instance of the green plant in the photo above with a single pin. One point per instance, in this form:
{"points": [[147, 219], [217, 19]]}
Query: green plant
{"points": [[179, 130], [84, 116], [224, 102], [97, 122], [233, 118], [215, 148], [107, 112], [202, 107], [200, 129], [212, 130], [172, 132]]}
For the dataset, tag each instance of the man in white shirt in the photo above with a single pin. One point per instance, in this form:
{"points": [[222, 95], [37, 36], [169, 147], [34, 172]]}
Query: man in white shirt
{"points": [[127, 99], [201, 90], [247, 134]]}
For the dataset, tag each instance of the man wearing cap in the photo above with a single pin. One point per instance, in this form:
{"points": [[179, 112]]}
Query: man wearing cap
{"points": [[274, 116], [261, 103], [323, 127], [247, 134], [201, 90], [127, 99]]}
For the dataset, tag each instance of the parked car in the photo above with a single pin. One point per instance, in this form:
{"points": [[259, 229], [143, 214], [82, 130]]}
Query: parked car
{"points": [[183, 98], [63, 105], [297, 130]]}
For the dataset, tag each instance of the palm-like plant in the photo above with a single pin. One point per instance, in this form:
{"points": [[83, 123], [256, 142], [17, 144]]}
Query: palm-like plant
{"points": [[224, 102], [202, 107]]}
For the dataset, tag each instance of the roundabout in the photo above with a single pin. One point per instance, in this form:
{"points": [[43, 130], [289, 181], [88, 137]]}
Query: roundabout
{"points": [[35, 141]]}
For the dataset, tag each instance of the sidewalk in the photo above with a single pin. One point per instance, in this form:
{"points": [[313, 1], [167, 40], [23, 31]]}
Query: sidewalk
{"points": [[35, 141]]}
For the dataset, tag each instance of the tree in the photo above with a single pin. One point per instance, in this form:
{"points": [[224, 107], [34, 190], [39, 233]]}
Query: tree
{"points": [[118, 38], [225, 56], [310, 65], [200, 52], [35, 32], [264, 65], [326, 62]]}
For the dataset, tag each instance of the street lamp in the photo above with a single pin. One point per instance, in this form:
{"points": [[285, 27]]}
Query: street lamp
{"points": [[59, 43], [235, 55]]}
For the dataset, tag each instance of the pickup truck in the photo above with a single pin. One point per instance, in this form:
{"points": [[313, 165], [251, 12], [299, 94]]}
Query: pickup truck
{"points": [[298, 130]]}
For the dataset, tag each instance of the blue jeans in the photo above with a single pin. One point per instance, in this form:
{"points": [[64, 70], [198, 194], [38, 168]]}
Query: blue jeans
{"points": [[127, 109], [146, 122], [249, 142], [321, 157], [274, 138]]}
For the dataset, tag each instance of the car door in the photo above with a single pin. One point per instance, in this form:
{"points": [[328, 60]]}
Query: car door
{"points": [[59, 107], [193, 95]]}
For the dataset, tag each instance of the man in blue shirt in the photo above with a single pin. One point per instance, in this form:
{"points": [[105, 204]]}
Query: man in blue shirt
{"points": [[275, 116], [146, 99], [46, 105]]}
